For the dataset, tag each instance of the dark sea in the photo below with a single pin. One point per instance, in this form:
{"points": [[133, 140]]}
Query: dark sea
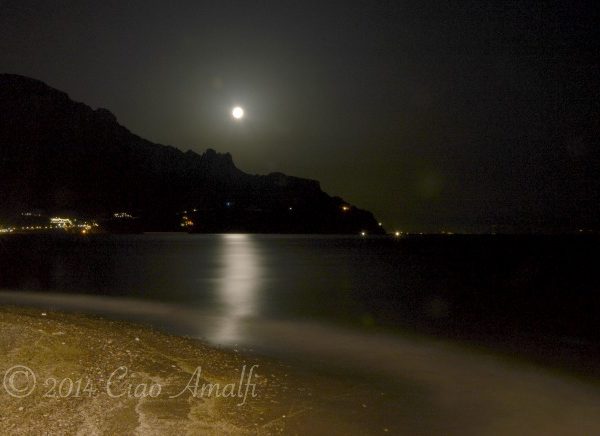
{"points": [[279, 294]]}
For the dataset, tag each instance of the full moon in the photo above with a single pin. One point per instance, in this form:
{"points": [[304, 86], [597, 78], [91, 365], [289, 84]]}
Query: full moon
{"points": [[237, 112]]}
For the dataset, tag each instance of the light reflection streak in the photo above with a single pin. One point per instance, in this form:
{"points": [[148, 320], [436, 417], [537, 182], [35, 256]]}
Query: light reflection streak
{"points": [[237, 286]]}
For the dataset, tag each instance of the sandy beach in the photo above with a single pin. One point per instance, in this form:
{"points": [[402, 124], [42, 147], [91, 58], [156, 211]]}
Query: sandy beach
{"points": [[75, 374], [73, 357]]}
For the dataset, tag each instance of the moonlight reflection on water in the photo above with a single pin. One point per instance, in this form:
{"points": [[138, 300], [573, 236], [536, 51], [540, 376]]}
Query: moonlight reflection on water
{"points": [[237, 285]]}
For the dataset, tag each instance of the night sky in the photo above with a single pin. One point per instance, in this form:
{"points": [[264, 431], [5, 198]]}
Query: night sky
{"points": [[434, 115]]}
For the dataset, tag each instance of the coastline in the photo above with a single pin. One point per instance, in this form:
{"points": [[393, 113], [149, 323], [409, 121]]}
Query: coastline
{"points": [[430, 388]]}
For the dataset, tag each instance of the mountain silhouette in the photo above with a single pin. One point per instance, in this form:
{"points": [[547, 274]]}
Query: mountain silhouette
{"points": [[59, 155]]}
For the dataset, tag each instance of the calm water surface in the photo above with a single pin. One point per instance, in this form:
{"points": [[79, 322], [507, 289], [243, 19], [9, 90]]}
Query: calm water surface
{"points": [[490, 287]]}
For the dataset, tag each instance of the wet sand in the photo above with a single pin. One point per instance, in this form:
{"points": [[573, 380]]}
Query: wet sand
{"points": [[430, 388]]}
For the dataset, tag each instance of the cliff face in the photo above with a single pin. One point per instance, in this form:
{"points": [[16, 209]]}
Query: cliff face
{"points": [[57, 154]]}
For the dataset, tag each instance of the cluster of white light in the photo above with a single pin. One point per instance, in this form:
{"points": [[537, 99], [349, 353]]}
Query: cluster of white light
{"points": [[122, 215], [61, 222], [65, 224]]}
